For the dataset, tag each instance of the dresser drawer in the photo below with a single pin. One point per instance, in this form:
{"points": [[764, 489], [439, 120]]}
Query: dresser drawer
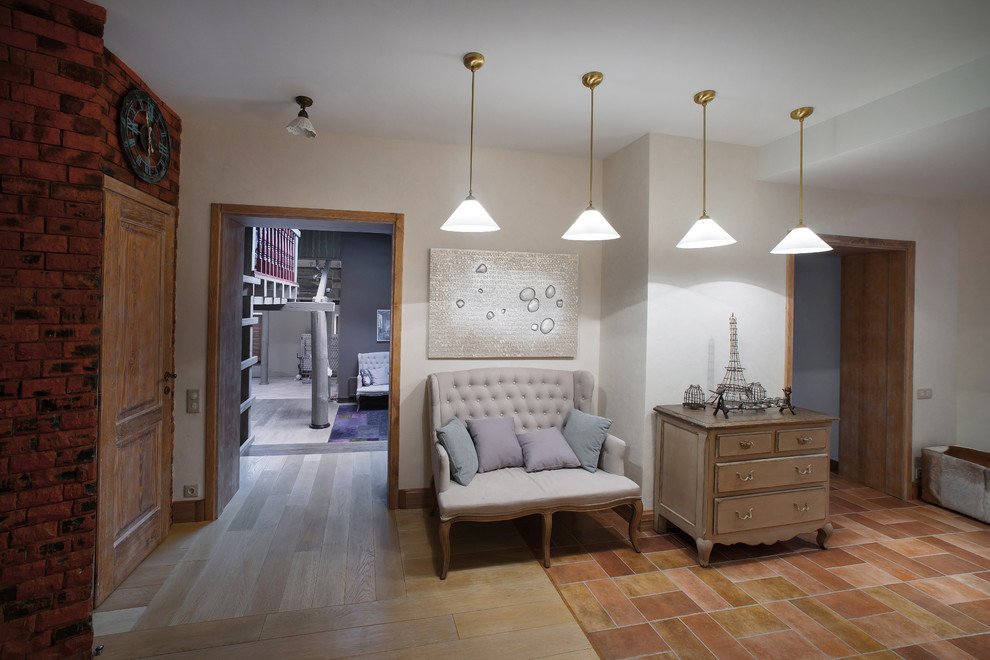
{"points": [[802, 439], [791, 472], [744, 444], [738, 514]]}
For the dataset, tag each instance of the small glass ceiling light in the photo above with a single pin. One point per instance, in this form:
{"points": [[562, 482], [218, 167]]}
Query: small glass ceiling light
{"points": [[705, 232], [591, 225], [801, 240], [301, 125], [470, 215]]}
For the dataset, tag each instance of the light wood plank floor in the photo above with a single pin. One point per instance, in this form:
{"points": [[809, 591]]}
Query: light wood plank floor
{"points": [[307, 562]]}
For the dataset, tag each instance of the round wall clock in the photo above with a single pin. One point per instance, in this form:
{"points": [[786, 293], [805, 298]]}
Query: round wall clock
{"points": [[144, 136]]}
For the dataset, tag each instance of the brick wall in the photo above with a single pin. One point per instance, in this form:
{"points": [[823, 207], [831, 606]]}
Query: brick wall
{"points": [[55, 143]]}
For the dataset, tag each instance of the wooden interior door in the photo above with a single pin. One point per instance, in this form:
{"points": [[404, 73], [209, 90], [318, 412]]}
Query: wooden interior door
{"points": [[136, 360]]}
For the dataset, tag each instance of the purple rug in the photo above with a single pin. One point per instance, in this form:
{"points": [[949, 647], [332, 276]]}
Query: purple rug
{"points": [[365, 426]]}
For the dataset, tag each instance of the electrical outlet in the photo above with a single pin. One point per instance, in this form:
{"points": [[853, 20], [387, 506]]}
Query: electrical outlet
{"points": [[191, 490], [192, 401], [925, 393]]}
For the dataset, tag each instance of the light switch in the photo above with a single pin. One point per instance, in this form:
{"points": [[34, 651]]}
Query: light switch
{"points": [[192, 401], [925, 393]]}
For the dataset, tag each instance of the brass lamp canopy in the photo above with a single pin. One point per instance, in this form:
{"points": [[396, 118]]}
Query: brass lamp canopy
{"points": [[705, 97], [473, 61]]}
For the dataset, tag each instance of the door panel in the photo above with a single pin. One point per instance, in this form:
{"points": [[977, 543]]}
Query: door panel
{"points": [[135, 437]]}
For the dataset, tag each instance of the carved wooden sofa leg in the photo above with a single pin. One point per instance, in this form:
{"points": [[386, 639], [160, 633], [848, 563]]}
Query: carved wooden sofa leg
{"points": [[547, 529], [634, 521], [445, 545]]}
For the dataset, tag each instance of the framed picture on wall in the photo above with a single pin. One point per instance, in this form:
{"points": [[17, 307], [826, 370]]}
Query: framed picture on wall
{"points": [[384, 324]]}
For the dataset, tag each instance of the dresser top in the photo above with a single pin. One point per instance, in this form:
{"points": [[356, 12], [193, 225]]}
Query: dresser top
{"points": [[737, 419]]}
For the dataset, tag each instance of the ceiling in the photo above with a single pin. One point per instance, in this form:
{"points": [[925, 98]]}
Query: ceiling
{"points": [[392, 69]]}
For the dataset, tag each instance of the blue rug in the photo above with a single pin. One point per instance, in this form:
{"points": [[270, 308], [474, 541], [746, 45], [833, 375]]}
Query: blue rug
{"points": [[365, 426]]}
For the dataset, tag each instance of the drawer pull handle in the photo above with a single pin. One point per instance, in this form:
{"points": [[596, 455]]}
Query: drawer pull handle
{"points": [[802, 508], [746, 444], [803, 439], [802, 472], [749, 514], [742, 478]]}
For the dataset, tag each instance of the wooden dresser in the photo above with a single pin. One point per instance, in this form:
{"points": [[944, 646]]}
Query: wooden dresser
{"points": [[756, 477]]}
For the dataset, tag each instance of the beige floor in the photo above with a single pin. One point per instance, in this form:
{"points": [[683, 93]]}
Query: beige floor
{"points": [[307, 562]]}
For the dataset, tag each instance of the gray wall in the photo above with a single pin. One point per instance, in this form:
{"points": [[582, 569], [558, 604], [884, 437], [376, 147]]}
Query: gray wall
{"points": [[365, 287], [817, 335]]}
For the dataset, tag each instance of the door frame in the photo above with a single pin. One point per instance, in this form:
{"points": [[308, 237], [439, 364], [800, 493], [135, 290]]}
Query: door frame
{"points": [[226, 221], [903, 451]]}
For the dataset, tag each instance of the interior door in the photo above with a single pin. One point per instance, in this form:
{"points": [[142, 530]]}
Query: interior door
{"points": [[136, 361]]}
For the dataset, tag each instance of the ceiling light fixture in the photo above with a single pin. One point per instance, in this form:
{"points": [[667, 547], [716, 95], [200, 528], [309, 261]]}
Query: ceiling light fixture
{"points": [[705, 232], [801, 240], [591, 225], [301, 125], [470, 215]]}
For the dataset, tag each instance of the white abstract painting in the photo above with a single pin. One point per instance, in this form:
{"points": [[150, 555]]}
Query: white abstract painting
{"points": [[487, 304]]}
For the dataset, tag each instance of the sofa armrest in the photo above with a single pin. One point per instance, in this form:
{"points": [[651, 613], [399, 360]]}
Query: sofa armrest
{"points": [[613, 458], [441, 467]]}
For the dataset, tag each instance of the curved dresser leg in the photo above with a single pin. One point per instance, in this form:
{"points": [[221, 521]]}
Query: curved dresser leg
{"points": [[445, 545], [704, 551], [547, 529], [637, 517], [824, 534]]}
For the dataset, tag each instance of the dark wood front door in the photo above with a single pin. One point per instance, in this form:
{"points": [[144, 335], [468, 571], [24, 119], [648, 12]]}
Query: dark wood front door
{"points": [[136, 357]]}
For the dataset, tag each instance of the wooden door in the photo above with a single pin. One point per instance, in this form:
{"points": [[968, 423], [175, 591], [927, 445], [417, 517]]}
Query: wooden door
{"points": [[136, 360]]}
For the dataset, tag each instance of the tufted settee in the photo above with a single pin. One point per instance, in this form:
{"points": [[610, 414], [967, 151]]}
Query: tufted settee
{"points": [[536, 399], [373, 370]]}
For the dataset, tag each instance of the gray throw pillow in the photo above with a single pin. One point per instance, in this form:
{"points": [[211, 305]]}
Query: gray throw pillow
{"points": [[378, 375], [454, 437], [586, 434], [546, 449], [495, 440]]}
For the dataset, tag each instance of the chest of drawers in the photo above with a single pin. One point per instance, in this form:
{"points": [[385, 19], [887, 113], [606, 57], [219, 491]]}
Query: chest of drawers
{"points": [[756, 477]]}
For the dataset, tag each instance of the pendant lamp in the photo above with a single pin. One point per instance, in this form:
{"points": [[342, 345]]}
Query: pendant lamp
{"points": [[705, 232], [801, 240], [591, 225], [470, 215], [301, 125]]}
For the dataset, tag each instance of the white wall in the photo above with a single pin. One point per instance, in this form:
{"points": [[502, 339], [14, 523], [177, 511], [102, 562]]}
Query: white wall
{"points": [[693, 292], [534, 197], [973, 374]]}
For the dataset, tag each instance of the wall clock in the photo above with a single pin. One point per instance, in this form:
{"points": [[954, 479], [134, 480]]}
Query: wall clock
{"points": [[144, 136]]}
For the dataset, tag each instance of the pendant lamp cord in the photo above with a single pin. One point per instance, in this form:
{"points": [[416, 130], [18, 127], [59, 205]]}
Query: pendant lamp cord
{"points": [[801, 178], [471, 150], [591, 158], [704, 156]]}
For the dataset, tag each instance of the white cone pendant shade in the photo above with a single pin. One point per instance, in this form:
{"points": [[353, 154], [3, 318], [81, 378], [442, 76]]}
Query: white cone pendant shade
{"points": [[591, 225], [301, 125], [470, 216], [801, 240], [705, 233]]}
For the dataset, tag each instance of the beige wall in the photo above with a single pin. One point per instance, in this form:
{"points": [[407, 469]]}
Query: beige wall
{"points": [[533, 197], [973, 373], [693, 292]]}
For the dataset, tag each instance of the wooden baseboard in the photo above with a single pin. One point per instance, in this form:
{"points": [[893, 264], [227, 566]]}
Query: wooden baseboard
{"points": [[646, 524], [185, 511], [415, 498]]}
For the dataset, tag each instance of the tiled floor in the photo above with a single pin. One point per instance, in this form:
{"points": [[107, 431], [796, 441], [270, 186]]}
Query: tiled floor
{"points": [[900, 580]]}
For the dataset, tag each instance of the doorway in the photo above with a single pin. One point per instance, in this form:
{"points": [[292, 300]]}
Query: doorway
{"points": [[875, 364], [223, 404]]}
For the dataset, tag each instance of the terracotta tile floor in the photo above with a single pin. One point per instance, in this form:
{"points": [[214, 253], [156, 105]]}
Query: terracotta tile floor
{"points": [[900, 580]]}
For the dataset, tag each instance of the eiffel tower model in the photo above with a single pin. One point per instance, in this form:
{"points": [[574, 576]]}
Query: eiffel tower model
{"points": [[735, 391]]}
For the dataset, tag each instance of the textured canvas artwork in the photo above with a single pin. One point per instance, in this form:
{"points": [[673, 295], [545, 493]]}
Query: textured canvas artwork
{"points": [[487, 304]]}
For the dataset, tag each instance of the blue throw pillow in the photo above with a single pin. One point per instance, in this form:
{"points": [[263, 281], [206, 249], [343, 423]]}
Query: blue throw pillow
{"points": [[586, 434], [454, 437]]}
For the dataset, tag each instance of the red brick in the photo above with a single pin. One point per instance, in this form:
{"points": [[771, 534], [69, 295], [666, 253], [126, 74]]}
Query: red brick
{"points": [[12, 369], [14, 72], [16, 629], [78, 576], [32, 462], [43, 387], [15, 296], [36, 313], [80, 245], [69, 297], [64, 614], [13, 519], [36, 496], [34, 96], [81, 21], [19, 407], [84, 211], [77, 332], [85, 177], [15, 574], [79, 420], [42, 206], [45, 243], [35, 60], [62, 85], [18, 185], [84, 7], [72, 262], [17, 111], [82, 281], [17, 333], [9, 164], [40, 351], [89, 42], [8, 502], [70, 561], [80, 384], [17, 38], [10, 203], [43, 170], [81, 73], [10, 240], [19, 148], [67, 440], [39, 586], [35, 133], [77, 193], [49, 512], [39, 278], [81, 142], [41, 26]]}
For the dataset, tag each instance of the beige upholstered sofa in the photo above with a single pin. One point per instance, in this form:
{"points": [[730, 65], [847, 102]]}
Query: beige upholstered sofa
{"points": [[537, 399]]}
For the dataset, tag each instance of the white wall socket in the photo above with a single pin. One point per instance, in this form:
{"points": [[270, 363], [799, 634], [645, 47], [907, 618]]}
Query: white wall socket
{"points": [[925, 393], [191, 490]]}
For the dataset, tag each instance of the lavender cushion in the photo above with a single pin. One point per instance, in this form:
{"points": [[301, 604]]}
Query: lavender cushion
{"points": [[546, 449], [495, 440]]}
